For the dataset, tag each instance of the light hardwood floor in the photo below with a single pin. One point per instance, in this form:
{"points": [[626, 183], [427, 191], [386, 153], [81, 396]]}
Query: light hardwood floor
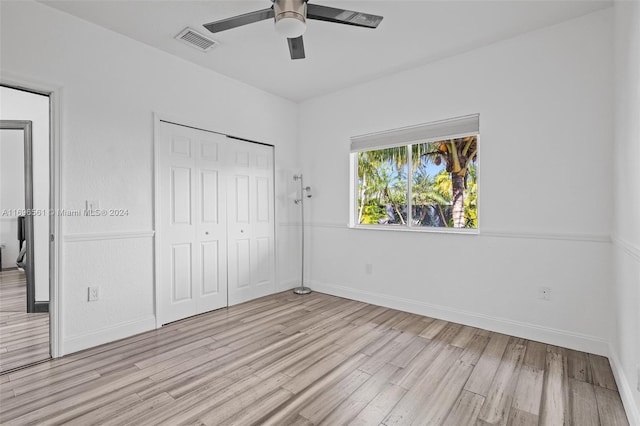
{"points": [[24, 338], [317, 359]]}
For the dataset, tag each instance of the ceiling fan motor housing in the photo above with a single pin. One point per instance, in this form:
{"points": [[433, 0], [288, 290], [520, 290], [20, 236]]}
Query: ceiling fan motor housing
{"points": [[290, 9]]}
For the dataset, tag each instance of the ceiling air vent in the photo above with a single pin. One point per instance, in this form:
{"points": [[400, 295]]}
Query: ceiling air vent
{"points": [[196, 40]]}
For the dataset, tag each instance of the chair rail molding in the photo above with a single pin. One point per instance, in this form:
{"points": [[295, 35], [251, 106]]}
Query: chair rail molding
{"points": [[105, 236]]}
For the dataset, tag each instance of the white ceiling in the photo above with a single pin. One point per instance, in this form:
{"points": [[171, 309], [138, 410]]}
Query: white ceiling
{"points": [[412, 33]]}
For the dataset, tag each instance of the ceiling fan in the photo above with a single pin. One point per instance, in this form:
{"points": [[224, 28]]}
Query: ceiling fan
{"points": [[290, 20]]}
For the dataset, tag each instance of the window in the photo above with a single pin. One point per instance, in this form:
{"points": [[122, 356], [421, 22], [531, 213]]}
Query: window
{"points": [[418, 177]]}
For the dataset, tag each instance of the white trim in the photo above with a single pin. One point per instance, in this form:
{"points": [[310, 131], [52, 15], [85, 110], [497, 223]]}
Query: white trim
{"points": [[628, 247], [156, 208], [625, 390], [55, 93], [105, 236], [577, 341], [625, 384], [108, 334], [419, 229], [594, 238]]}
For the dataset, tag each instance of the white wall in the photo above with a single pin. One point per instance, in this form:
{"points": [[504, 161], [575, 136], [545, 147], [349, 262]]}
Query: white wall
{"points": [[626, 186], [11, 192], [20, 105], [545, 105], [111, 86]]}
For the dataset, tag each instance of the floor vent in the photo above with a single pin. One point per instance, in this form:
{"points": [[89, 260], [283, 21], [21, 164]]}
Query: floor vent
{"points": [[195, 39]]}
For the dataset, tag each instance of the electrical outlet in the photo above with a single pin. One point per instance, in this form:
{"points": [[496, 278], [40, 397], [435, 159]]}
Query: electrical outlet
{"points": [[544, 293], [368, 269], [94, 294]]}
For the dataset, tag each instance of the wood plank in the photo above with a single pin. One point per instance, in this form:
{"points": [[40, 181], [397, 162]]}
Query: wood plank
{"points": [[438, 403], [106, 412], [253, 413], [464, 336], [602, 373], [139, 410], [554, 408], [411, 374], [385, 355], [359, 399], [465, 410], [522, 418], [326, 401], [583, 404], [404, 357], [610, 408], [497, 404], [294, 405], [579, 366], [307, 377], [76, 405], [528, 395], [191, 405], [195, 381], [433, 329], [536, 355], [487, 365], [474, 349], [406, 410], [376, 410], [268, 391]]}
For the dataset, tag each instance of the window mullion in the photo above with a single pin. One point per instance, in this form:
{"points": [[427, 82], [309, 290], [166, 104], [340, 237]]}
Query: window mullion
{"points": [[409, 186]]}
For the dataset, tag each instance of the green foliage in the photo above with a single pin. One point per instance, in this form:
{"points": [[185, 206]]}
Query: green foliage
{"points": [[372, 213], [471, 198]]}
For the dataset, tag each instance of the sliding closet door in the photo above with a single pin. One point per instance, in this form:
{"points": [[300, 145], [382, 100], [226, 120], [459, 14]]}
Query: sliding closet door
{"points": [[250, 222], [192, 222]]}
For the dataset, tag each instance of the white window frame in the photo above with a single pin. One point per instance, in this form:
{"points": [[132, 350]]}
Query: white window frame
{"points": [[453, 128]]}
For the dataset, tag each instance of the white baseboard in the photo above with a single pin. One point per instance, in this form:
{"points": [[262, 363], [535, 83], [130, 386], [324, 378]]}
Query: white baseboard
{"points": [[107, 334], [625, 388], [520, 329]]}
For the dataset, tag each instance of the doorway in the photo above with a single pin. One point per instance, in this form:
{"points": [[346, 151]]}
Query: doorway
{"points": [[215, 221], [24, 228]]}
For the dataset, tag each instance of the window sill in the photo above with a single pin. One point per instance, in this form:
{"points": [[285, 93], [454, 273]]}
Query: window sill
{"points": [[422, 229]]}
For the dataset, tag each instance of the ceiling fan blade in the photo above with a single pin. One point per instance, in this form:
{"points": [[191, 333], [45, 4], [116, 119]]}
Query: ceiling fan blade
{"points": [[341, 16], [296, 48], [240, 20]]}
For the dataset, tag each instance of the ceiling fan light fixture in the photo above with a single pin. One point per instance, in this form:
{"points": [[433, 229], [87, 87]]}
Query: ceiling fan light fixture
{"points": [[290, 17], [291, 26], [291, 20]]}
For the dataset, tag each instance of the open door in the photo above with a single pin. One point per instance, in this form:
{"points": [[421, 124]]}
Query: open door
{"points": [[21, 131]]}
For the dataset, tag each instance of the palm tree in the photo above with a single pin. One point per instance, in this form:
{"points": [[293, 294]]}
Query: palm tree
{"points": [[425, 193], [457, 155], [377, 172]]}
